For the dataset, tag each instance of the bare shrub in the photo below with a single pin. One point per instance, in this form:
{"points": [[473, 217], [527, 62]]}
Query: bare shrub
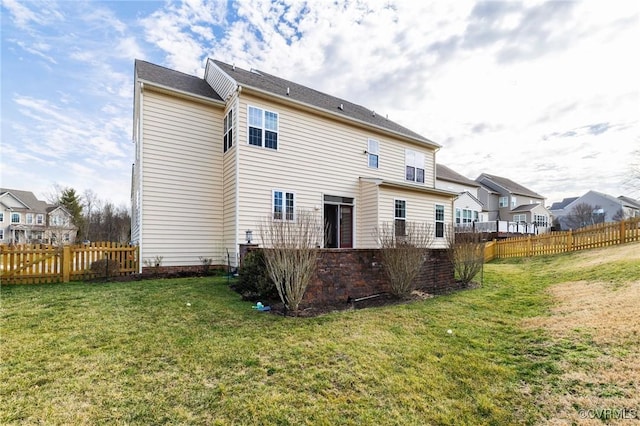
{"points": [[466, 253], [291, 254], [105, 268], [403, 252]]}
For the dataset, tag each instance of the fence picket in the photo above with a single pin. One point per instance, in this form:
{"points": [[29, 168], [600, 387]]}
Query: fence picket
{"points": [[38, 263], [600, 235]]}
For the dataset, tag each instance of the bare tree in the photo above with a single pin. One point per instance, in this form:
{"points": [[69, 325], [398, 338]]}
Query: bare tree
{"points": [[290, 254], [403, 251], [584, 214], [466, 253]]}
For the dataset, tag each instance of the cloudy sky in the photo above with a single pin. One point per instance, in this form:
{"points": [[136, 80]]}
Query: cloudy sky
{"points": [[544, 93]]}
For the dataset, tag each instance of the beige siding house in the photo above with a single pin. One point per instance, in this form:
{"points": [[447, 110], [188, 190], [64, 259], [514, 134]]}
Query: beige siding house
{"points": [[217, 155]]}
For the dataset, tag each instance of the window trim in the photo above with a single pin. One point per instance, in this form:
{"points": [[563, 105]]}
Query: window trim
{"points": [[439, 221], [373, 151], [283, 206], [503, 202], [39, 219], [413, 159], [19, 217], [263, 128], [228, 124], [1, 217], [397, 219]]}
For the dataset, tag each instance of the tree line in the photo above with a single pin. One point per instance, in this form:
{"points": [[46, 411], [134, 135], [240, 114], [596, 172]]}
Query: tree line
{"points": [[96, 219]]}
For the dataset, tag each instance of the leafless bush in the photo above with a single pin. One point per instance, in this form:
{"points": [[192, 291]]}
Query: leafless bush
{"points": [[291, 254], [403, 255], [466, 252]]}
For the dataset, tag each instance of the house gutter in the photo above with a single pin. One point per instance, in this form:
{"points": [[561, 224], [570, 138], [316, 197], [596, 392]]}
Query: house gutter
{"points": [[287, 100], [181, 93]]}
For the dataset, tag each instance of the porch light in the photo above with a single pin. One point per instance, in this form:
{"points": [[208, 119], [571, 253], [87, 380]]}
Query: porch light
{"points": [[249, 234]]}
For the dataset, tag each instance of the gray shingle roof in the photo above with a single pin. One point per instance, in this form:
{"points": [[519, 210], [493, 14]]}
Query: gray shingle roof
{"points": [[445, 173], [276, 85], [509, 185], [174, 79], [28, 198], [632, 202], [559, 205]]}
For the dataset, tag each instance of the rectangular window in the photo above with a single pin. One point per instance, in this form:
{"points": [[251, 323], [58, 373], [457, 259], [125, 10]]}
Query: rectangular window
{"points": [[503, 202], [439, 221], [513, 202], [1, 234], [1, 216], [283, 205], [400, 218], [414, 166], [228, 131], [541, 220], [475, 215], [458, 216], [263, 128], [29, 218], [15, 217], [519, 217], [373, 151], [39, 219]]}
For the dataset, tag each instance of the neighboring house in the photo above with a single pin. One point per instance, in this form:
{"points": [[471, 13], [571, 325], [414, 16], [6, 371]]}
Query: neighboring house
{"points": [[216, 156], [25, 219], [605, 208], [507, 200], [467, 207]]}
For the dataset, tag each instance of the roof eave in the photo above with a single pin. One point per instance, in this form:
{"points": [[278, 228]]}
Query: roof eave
{"points": [[287, 100], [184, 94]]}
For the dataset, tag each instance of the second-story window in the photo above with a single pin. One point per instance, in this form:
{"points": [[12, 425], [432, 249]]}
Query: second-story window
{"points": [[1, 216], [29, 218], [40, 219], [414, 166], [15, 217], [373, 151], [503, 202], [228, 131], [263, 128]]}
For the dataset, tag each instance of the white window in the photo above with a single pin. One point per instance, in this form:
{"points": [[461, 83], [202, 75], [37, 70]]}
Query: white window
{"points": [[503, 202], [373, 151], [439, 221], [513, 202], [56, 220], [520, 218], [228, 131], [1, 234], [1, 216], [541, 220], [29, 218], [263, 128], [400, 218], [15, 218], [39, 219], [414, 166], [283, 205], [465, 216]]}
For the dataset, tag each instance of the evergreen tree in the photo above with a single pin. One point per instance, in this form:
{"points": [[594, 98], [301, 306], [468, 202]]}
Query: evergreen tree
{"points": [[70, 200]]}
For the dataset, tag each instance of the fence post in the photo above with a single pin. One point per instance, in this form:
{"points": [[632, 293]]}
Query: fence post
{"points": [[66, 264], [623, 236], [570, 240]]}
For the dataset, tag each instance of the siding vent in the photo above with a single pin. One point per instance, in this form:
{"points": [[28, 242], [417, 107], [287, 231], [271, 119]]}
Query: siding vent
{"points": [[341, 107], [287, 91], [373, 113]]}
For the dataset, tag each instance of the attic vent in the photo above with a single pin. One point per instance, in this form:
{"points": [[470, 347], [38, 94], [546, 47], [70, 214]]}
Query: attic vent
{"points": [[287, 91], [341, 107], [255, 71], [373, 113], [233, 67]]}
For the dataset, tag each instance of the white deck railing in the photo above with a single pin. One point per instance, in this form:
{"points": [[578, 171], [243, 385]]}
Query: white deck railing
{"points": [[502, 227]]}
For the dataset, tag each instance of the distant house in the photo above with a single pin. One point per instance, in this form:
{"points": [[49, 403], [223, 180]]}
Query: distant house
{"points": [[603, 208], [506, 200], [216, 156], [468, 208], [25, 219]]}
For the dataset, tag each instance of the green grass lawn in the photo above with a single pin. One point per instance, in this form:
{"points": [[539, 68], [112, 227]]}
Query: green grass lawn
{"points": [[138, 353]]}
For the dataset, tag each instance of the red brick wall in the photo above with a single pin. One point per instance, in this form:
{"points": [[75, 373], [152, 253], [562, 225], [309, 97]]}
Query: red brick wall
{"points": [[344, 273]]}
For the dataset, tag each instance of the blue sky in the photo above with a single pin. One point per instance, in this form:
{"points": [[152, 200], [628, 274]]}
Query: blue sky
{"points": [[544, 93]]}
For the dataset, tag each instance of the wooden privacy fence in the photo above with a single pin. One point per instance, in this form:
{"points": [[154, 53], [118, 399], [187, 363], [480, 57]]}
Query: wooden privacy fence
{"points": [[600, 235], [42, 263]]}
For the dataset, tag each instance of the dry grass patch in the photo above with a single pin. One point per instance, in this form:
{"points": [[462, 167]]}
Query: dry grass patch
{"points": [[595, 326]]}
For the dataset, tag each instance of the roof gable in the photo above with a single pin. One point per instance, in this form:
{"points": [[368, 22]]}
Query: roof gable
{"points": [[25, 199], [445, 173], [509, 185], [286, 89], [560, 205], [172, 79]]}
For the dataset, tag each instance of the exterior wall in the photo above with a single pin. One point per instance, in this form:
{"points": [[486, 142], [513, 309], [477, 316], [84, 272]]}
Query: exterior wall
{"points": [[465, 201], [456, 187], [182, 198], [342, 275], [368, 216], [316, 156]]}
